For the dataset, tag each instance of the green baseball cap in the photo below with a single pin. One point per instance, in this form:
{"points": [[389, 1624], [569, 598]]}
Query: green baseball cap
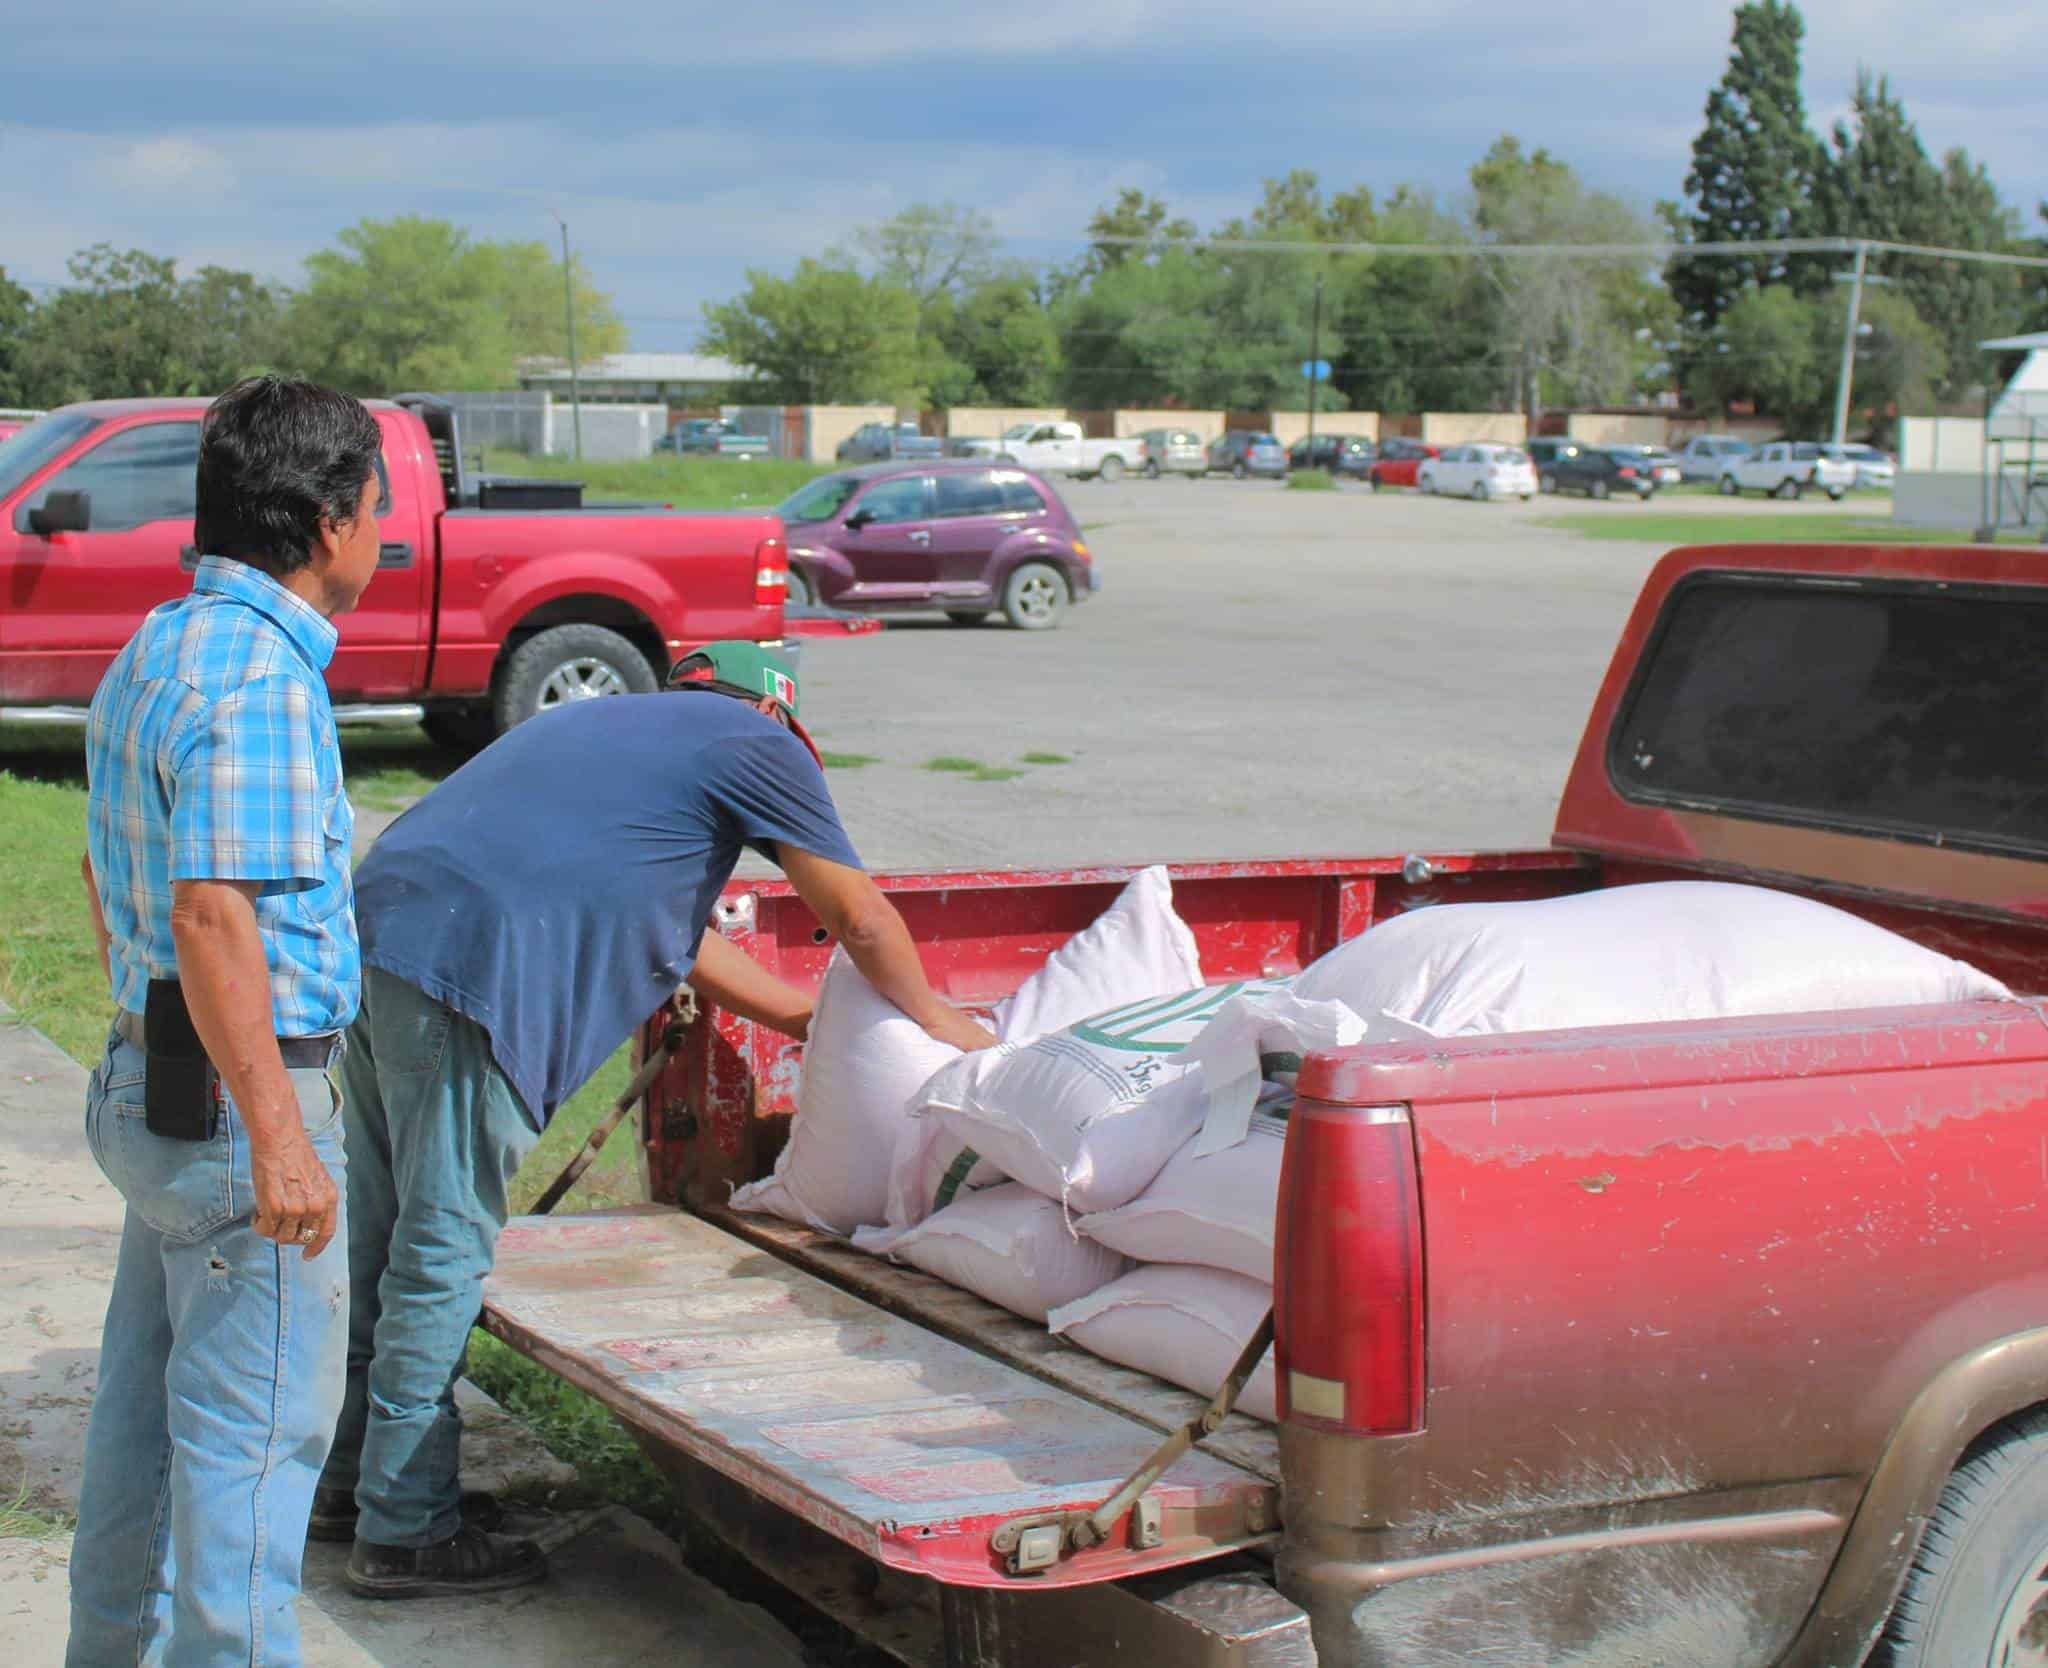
{"points": [[745, 669]]}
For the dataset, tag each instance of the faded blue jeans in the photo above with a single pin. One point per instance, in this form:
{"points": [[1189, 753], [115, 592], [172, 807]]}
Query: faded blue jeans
{"points": [[220, 1380], [435, 1134]]}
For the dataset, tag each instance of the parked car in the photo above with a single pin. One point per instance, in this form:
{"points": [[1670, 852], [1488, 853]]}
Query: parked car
{"points": [[712, 437], [1875, 470], [1788, 469], [1703, 457], [1063, 449], [1603, 472], [1242, 452], [962, 538], [1664, 465], [1340, 454], [478, 617], [1543, 450], [1174, 452], [1481, 470], [1399, 463], [12, 422], [1698, 1343], [880, 442], [972, 446]]}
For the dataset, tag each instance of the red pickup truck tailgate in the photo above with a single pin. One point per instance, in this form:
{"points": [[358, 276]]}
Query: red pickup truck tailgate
{"points": [[908, 1446]]}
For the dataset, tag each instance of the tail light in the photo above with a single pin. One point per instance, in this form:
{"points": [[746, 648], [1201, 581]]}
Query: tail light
{"points": [[1626, 473], [1347, 1267], [771, 573]]}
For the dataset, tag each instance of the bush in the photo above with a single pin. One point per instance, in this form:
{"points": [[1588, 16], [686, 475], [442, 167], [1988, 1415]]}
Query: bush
{"points": [[1311, 480]]}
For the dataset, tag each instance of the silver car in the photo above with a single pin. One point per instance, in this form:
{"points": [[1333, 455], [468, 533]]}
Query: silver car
{"points": [[1174, 452], [1874, 469], [1705, 457]]}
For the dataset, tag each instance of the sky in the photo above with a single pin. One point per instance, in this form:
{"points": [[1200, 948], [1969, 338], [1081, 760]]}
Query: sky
{"points": [[685, 144]]}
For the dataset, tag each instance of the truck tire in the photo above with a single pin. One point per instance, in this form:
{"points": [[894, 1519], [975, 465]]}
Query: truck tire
{"points": [[1834, 495], [1035, 596], [1112, 469], [569, 663], [1006, 457], [1728, 488], [1787, 488], [1978, 1587]]}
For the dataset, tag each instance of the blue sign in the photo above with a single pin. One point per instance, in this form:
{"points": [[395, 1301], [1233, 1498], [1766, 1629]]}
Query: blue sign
{"points": [[1316, 370]]}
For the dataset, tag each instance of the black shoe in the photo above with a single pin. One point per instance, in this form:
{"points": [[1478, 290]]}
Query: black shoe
{"points": [[334, 1513], [468, 1561]]}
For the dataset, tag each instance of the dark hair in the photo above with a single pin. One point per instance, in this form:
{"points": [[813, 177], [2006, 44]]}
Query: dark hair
{"points": [[278, 456]]}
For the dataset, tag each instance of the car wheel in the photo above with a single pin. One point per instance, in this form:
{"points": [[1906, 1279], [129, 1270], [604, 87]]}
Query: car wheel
{"points": [[1978, 1587], [1035, 596], [800, 591], [1727, 487], [1598, 489], [967, 616], [1547, 483], [569, 663], [1238, 471], [1481, 492], [1834, 495], [1112, 468], [1786, 489], [1152, 469]]}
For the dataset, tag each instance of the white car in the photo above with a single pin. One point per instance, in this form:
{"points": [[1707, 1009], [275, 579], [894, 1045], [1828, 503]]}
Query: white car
{"points": [[1874, 469], [1788, 469], [1702, 457], [1481, 470]]}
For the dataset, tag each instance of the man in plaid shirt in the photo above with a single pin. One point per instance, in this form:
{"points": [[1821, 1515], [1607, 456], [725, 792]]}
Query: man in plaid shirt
{"points": [[218, 872]]}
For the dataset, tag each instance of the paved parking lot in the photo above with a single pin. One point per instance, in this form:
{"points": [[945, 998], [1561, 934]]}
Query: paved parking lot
{"points": [[1265, 673]]}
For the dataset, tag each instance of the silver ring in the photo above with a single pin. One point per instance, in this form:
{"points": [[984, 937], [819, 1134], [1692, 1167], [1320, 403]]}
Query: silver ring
{"points": [[307, 1235]]}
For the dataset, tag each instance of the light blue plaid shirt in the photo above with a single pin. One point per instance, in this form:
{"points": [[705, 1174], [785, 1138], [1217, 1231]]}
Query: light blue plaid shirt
{"points": [[212, 756]]}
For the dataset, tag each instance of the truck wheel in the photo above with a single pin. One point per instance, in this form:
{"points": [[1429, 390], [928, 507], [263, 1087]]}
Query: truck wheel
{"points": [[1978, 1588], [1112, 469], [799, 588], [460, 729], [1786, 488], [1035, 596], [1834, 495], [569, 663], [1728, 488]]}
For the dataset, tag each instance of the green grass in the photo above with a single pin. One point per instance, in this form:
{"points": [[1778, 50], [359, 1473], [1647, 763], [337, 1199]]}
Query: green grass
{"points": [[1311, 480], [848, 761], [994, 773], [954, 762], [685, 483], [1047, 759], [1787, 526], [21, 1521], [388, 769]]}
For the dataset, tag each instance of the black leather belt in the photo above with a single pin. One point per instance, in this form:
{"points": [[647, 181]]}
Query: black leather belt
{"points": [[300, 1053]]}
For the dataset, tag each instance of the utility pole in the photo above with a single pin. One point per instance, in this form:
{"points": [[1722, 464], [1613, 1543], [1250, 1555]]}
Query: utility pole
{"points": [[569, 314], [1849, 344], [1315, 362]]}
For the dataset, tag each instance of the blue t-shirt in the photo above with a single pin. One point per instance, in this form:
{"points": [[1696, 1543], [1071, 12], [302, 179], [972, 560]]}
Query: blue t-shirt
{"points": [[554, 888]]}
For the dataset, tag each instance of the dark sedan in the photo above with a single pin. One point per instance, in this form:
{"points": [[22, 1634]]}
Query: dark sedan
{"points": [[1602, 472], [1340, 454], [963, 538]]}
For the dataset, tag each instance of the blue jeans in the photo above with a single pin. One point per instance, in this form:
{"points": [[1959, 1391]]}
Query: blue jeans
{"points": [[220, 1380], [435, 1134]]}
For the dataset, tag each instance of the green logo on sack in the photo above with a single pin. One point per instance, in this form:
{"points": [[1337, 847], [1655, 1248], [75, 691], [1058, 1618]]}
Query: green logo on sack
{"points": [[1165, 1024]]}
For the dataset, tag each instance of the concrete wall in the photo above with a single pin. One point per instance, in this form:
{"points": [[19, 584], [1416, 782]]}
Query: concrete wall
{"points": [[991, 420], [830, 424], [611, 433], [1208, 424], [1600, 428], [1928, 498], [1290, 426], [1462, 428], [1942, 445]]}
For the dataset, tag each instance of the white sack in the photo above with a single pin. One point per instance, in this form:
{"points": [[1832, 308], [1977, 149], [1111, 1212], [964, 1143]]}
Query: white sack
{"points": [[1091, 1114], [1631, 955], [1185, 1325], [1006, 1244], [865, 1059], [1217, 1210], [1137, 950]]}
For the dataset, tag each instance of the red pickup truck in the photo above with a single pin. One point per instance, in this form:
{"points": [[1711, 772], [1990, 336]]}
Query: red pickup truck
{"points": [[1701, 1345], [480, 614]]}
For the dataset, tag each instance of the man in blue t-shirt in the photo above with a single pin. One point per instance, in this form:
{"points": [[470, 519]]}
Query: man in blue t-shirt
{"points": [[516, 925]]}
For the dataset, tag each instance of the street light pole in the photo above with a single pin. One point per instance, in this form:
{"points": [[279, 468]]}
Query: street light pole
{"points": [[569, 314], [1315, 363], [1849, 345]]}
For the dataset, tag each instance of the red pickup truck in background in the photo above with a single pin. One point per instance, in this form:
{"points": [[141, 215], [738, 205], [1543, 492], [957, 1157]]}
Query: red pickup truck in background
{"points": [[482, 612], [1717, 1344]]}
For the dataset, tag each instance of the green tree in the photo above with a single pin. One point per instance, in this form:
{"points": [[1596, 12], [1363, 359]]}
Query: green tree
{"points": [[1766, 351], [825, 334], [236, 325], [1420, 333], [120, 327], [1900, 361], [1755, 165], [1139, 333], [1003, 340], [417, 303], [1134, 214], [16, 304]]}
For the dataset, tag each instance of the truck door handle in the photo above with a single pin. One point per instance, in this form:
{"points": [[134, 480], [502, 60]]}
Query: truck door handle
{"points": [[398, 555]]}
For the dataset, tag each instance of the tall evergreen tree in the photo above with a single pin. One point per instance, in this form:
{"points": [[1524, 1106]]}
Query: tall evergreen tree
{"points": [[1754, 168]]}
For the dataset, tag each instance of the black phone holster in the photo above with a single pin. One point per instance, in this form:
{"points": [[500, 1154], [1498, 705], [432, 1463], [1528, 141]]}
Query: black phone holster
{"points": [[181, 1093]]}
